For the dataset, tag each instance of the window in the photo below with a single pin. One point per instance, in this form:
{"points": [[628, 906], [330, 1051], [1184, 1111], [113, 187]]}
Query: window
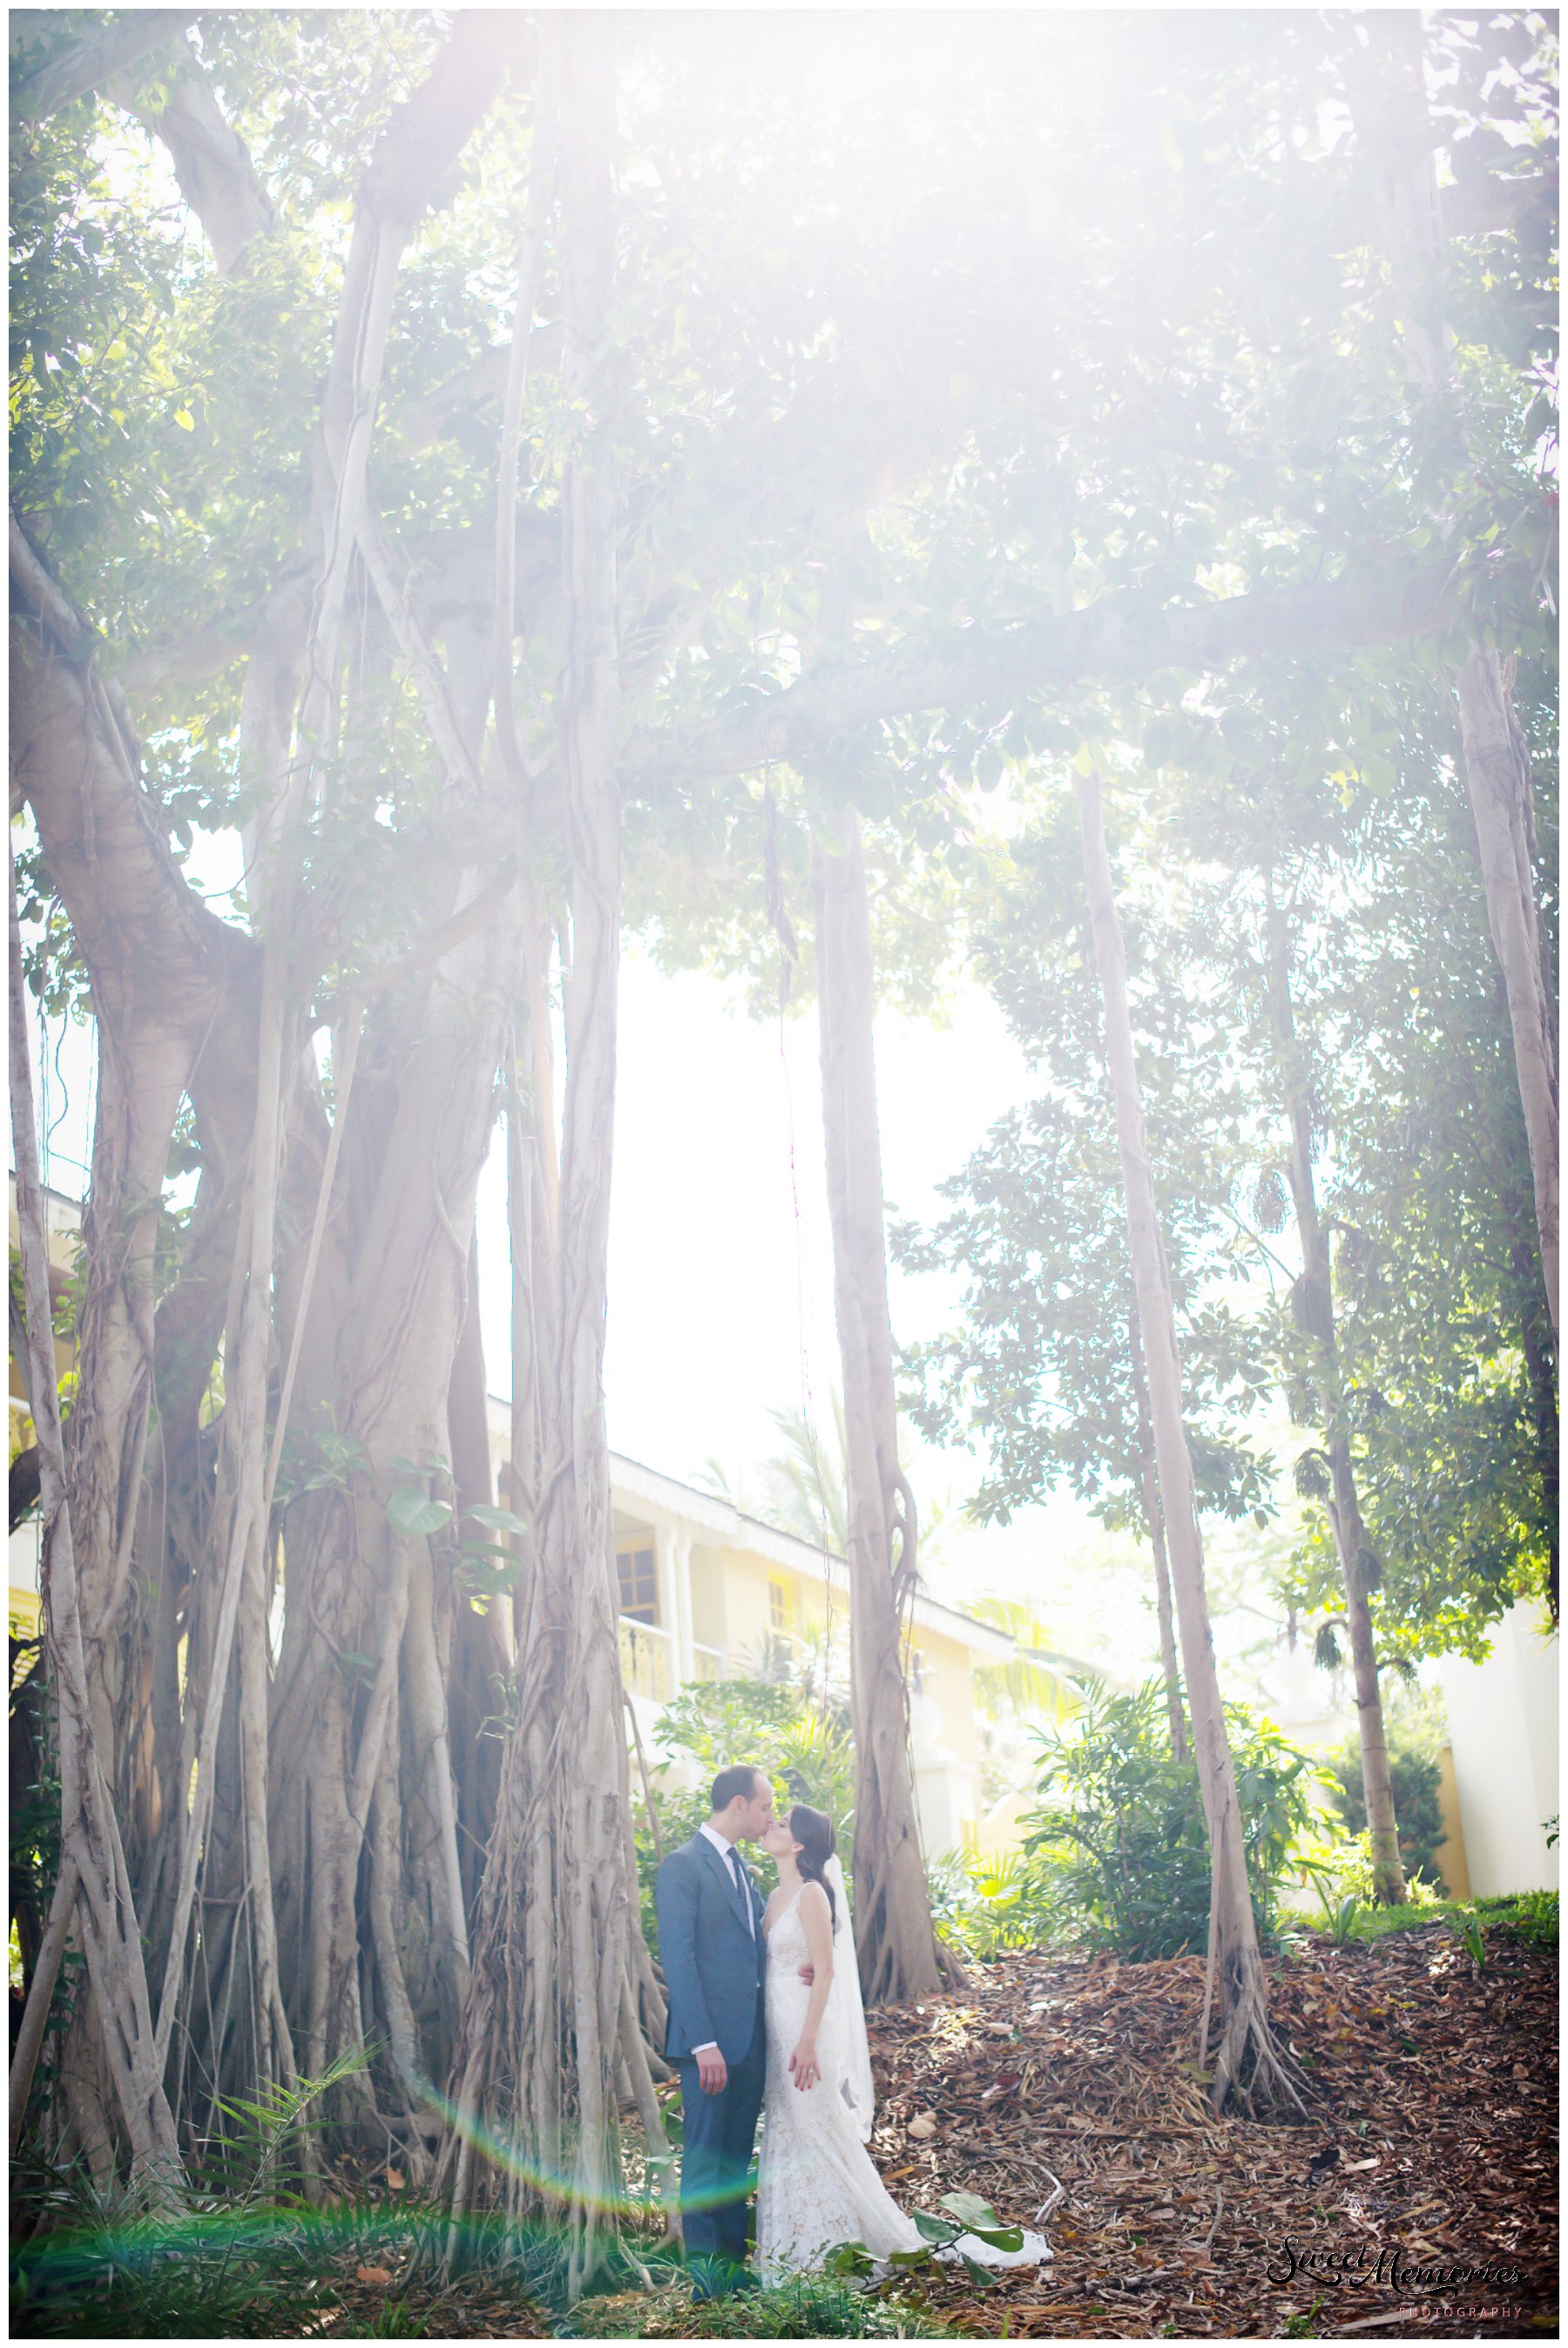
{"points": [[781, 1606], [637, 1575]]}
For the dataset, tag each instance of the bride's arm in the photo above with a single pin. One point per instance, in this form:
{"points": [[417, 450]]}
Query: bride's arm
{"points": [[816, 1918]]}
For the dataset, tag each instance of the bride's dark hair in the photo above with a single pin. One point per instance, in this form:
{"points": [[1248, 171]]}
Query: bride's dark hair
{"points": [[812, 1829]]}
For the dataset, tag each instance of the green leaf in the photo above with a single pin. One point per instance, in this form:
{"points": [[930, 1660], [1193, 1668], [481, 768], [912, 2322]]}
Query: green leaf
{"points": [[503, 1519], [936, 2229], [981, 2277], [412, 1514], [184, 419], [973, 2214]]}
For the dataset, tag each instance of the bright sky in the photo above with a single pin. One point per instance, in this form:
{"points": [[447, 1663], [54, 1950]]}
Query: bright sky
{"points": [[720, 1270]]}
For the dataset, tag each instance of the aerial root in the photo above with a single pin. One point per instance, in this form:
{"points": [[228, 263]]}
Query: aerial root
{"points": [[1250, 2068]]}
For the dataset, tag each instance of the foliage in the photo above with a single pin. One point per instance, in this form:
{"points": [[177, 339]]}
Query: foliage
{"points": [[1416, 1780], [801, 1745], [1466, 1928], [814, 2307], [1118, 1834], [1039, 1371], [984, 1901], [1530, 1917], [1180, 380], [242, 2260], [941, 2237]]}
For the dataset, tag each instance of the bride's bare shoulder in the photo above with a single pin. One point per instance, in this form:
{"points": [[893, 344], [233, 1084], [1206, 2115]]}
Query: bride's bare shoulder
{"points": [[813, 1896]]}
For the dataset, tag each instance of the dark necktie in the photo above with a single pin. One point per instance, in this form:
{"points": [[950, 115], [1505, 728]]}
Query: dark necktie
{"points": [[740, 1884]]}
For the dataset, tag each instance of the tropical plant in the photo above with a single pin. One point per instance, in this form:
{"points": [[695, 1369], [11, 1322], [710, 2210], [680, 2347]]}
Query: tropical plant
{"points": [[984, 1901], [1119, 1835]]}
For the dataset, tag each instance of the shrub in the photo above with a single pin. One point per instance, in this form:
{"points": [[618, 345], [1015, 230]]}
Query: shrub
{"points": [[1416, 1780], [1119, 1836]]}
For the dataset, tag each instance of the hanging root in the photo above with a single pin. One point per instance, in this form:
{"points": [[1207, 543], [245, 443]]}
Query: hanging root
{"points": [[1251, 2069]]}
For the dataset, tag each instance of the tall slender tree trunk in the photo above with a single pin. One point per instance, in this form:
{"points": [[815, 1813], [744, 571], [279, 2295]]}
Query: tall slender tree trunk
{"points": [[1154, 1517], [1247, 2063], [1314, 1305], [552, 2023], [1388, 92], [897, 1948]]}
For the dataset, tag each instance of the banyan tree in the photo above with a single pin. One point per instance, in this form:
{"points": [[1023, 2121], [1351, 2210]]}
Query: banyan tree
{"points": [[504, 470]]}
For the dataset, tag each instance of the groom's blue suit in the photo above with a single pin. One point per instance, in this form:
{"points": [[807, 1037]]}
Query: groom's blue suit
{"points": [[713, 1971]]}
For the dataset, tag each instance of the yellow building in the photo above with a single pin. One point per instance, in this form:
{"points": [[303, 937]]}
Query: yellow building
{"points": [[705, 1588]]}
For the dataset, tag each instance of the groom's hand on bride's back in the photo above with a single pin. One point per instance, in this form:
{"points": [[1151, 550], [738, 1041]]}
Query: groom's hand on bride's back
{"points": [[808, 1974], [712, 2072]]}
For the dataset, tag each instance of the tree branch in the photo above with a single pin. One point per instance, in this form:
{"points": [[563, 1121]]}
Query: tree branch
{"points": [[1123, 637], [145, 934], [88, 63], [211, 162]]}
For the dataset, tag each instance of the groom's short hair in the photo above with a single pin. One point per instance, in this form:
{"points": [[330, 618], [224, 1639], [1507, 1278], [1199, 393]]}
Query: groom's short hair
{"points": [[736, 1782]]}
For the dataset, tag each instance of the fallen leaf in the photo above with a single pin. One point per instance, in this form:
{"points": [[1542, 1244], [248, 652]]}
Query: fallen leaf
{"points": [[924, 2124], [380, 2275]]}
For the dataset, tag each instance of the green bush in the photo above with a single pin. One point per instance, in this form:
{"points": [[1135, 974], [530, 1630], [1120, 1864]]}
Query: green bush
{"points": [[1416, 1780], [1118, 1841], [982, 1903], [803, 1744]]}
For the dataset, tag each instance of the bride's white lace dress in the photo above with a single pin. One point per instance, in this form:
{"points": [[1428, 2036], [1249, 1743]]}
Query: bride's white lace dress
{"points": [[817, 2183]]}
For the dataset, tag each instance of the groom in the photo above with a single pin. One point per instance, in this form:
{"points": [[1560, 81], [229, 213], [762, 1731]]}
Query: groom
{"points": [[714, 1954]]}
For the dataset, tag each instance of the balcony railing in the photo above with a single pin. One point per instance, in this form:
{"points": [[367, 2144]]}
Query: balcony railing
{"points": [[647, 1663]]}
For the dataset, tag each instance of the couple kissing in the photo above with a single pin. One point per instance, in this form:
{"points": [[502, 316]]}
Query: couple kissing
{"points": [[765, 2016]]}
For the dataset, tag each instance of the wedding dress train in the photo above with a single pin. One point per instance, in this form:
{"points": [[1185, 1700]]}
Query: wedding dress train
{"points": [[817, 2183]]}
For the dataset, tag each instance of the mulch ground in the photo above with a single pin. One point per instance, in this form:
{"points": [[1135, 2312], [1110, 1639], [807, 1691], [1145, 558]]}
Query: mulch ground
{"points": [[1432, 2138], [1432, 2135]]}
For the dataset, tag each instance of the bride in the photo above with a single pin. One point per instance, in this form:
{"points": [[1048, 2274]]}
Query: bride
{"points": [[817, 2184]]}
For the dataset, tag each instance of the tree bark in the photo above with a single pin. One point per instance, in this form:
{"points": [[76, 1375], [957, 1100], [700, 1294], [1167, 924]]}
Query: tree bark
{"points": [[1154, 1517], [1249, 2066], [1314, 1302], [90, 1844], [558, 1938], [895, 1941], [86, 64]]}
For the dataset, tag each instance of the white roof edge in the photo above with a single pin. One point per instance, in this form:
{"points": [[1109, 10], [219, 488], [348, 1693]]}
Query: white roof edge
{"points": [[632, 1480], [650, 1486]]}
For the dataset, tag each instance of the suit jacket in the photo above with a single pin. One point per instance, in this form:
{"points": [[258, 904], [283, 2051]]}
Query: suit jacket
{"points": [[713, 1967]]}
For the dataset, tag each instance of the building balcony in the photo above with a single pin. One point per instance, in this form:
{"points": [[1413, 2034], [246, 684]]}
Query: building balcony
{"points": [[709, 1662], [647, 1661]]}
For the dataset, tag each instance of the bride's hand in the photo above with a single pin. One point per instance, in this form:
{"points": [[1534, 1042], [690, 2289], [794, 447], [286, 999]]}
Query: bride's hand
{"points": [[804, 2064]]}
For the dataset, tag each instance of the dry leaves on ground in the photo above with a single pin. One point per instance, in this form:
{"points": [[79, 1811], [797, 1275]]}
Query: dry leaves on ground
{"points": [[1432, 2134]]}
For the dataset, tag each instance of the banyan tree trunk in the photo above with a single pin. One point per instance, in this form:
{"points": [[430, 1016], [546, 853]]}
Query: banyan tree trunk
{"points": [[898, 1952], [93, 1897], [1314, 1302], [559, 1959], [1249, 2066]]}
